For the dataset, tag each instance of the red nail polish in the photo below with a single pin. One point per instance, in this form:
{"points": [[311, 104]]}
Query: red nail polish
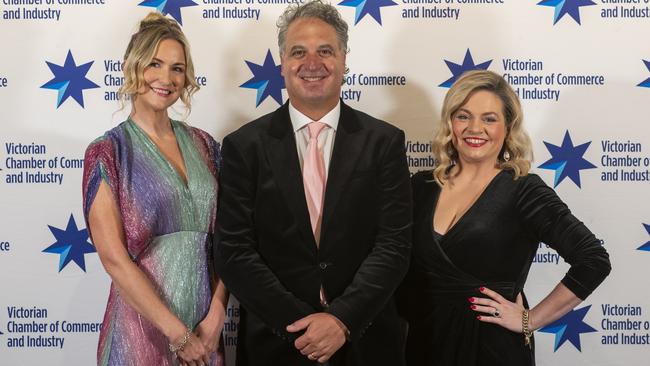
{"points": [[481, 289], [478, 317], [473, 307], [471, 299]]}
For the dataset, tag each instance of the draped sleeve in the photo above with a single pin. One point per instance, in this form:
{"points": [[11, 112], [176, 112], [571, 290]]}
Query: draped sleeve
{"points": [[210, 152], [549, 220], [210, 149], [100, 165]]}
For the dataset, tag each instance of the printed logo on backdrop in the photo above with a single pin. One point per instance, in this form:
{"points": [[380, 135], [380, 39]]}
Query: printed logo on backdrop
{"points": [[608, 10], [358, 83], [567, 160], [458, 69], [624, 324], [646, 245], [545, 255], [5, 246], [239, 9], [534, 80], [367, 7], [620, 160], [31, 326], [440, 10], [569, 328], [52, 10], [4, 82], [267, 80], [169, 7], [34, 164], [419, 155], [71, 245], [231, 326], [113, 78], [69, 80], [624, 161], [645, 83], [625, 10], [566, 7]]}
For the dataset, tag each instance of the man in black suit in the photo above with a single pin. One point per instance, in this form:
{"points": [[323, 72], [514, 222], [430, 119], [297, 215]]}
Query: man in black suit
{"points": [[315, 269]]}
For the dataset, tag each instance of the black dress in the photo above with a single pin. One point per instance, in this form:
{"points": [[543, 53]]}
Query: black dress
{"points": [[491, 245]]}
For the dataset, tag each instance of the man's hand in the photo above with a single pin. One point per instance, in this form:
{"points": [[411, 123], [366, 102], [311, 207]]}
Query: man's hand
{"points": [[324, 335]]}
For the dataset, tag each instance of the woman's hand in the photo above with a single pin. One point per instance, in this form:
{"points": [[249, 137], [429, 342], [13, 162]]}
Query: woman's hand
{"points": [[193, 353], [499, 310], [209, 333]]}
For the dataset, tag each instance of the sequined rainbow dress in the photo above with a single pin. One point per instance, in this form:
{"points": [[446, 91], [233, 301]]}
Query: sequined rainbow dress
{"points": [[167, 224]]}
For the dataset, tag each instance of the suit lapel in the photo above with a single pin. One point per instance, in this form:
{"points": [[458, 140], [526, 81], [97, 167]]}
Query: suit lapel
{"points": [[282, 155], [348, 147]]}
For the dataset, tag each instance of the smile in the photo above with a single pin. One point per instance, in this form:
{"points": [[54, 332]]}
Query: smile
{"points": [[312, 78], [474, 142], [162, 92]]}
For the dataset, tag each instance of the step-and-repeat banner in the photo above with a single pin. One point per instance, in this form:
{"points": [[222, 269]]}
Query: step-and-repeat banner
{"points": [[581, 68]]}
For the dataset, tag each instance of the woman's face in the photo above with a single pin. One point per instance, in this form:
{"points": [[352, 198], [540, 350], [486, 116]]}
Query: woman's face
{"points": [[479, 128], [164, 77]]}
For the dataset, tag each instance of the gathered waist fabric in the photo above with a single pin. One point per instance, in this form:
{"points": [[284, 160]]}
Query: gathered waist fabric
{"points": [[460, 292]]}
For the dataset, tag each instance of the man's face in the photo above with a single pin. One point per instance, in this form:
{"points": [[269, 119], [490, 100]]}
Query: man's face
{"points": [[313, 64]]}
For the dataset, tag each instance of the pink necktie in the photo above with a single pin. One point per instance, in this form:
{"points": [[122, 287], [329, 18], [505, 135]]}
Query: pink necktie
{"points": [[313, 176]]}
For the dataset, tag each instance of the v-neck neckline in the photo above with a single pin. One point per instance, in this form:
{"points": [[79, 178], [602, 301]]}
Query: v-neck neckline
{"points": [[183, 179], [465, 214]]}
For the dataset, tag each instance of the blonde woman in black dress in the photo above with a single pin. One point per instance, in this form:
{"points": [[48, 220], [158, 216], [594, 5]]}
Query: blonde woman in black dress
{"points": [[478, 220]]}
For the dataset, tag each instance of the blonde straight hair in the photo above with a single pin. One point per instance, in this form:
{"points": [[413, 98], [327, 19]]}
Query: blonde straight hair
{"points": [[517, 143]]}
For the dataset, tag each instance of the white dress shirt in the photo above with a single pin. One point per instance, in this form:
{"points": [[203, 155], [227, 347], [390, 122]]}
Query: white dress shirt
{"points": [[326, 137]]}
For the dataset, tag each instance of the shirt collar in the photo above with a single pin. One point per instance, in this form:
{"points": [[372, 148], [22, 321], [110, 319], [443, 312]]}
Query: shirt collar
{"points": [[299, 120]]}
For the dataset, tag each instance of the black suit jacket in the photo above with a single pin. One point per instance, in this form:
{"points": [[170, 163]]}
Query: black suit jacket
{"points": [[267, 256]]}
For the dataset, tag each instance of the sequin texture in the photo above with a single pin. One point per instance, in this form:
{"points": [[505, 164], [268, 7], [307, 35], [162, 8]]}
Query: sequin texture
{"points": [[168, 226]]}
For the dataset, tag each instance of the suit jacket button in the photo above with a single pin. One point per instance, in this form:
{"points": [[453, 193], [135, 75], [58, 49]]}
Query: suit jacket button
{"points": [[322, 265]]}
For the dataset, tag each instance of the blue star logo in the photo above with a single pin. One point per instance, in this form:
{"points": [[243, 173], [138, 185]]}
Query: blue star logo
{"points": [[71, 244], [563, 7], [70, 80], [367, 7], [171, 7], [267, 80], [567, 160], [646, 246], [458, 70], [645, 83], [569, 328]]}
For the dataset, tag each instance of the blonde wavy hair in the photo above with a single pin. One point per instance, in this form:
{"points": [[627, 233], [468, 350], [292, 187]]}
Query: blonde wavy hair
{"points": [[142, 48], [517, 143]]}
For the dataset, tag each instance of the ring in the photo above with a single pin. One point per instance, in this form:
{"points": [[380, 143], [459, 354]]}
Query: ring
{"points": [[312, 356], [496, 313]]}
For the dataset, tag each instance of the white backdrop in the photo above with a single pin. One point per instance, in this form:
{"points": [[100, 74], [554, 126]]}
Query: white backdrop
{"points": [[578, 65]]}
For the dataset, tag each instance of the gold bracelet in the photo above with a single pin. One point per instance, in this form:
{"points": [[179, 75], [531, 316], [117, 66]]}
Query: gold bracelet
{"points": [[525, 329], [173, 348]]}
